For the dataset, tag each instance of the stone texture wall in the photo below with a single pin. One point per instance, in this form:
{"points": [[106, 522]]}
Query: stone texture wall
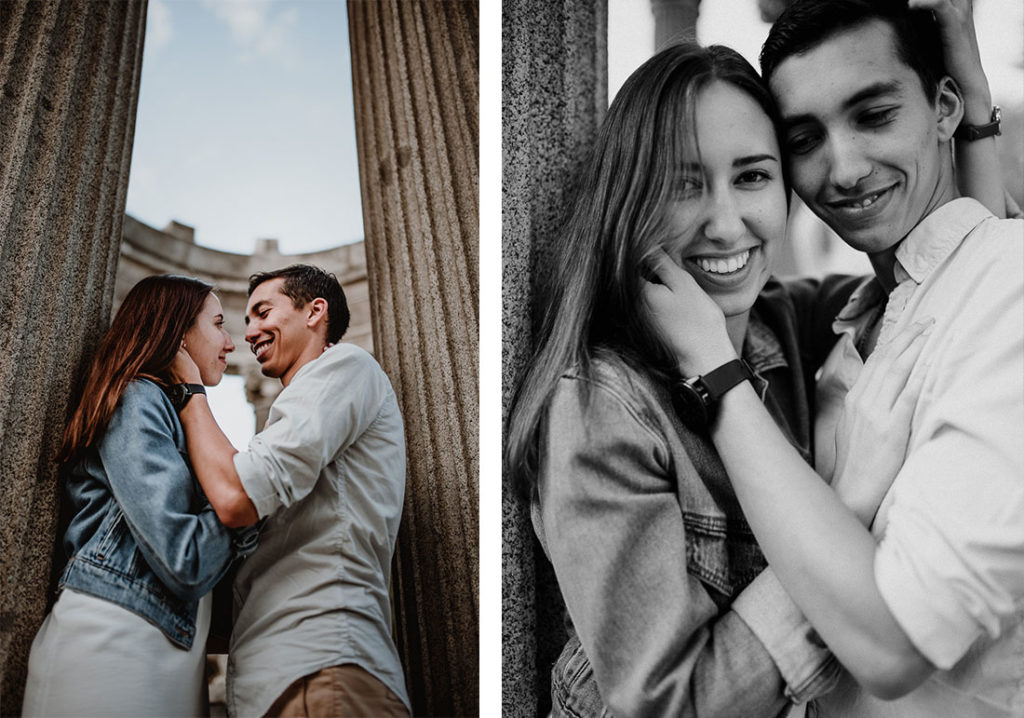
{"points": [[416, 98], [554, 70], [69, 79]]}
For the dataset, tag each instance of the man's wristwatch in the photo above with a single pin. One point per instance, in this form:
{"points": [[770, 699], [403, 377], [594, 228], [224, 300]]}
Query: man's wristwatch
{"points": [[970, 133], [699, 395], [181, 393]]}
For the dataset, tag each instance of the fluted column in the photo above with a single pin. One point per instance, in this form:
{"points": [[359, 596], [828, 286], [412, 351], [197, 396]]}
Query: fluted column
{"points": [[555, 89], [415, 81], [674, 21], [69, 80]]}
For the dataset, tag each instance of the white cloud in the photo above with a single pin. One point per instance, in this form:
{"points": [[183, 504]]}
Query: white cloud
{"points": [[255, 26], [159, 28]]}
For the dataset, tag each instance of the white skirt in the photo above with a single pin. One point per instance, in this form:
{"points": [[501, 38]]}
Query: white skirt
{"points": [[93, 658]]}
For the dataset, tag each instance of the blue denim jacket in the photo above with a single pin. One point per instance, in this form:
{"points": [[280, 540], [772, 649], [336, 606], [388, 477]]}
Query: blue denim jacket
{"points": [[142, 534], [669, 610]]}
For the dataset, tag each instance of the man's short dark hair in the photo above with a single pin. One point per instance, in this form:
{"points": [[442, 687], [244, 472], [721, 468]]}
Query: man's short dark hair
{"points": [[302, 284], [807, 23]]}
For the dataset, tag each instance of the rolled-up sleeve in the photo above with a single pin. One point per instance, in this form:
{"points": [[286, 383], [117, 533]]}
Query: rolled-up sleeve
{"points": [[805, 663], [327, 406], [950, 565], [614, 531]]}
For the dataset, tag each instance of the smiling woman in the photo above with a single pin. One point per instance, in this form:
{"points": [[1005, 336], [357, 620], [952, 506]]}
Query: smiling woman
{"points": [[657, 567], [728, 219]]}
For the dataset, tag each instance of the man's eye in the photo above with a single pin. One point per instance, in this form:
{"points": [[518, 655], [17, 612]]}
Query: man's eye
{"points": [[876, 118], [802, 142]]}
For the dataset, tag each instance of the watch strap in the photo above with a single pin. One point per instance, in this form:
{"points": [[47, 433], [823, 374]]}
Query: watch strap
{"points": [[724, 378], [181, 393], [969, 133]]}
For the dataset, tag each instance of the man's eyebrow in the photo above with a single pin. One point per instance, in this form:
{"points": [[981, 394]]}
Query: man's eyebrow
{"points": [[877, 89]]}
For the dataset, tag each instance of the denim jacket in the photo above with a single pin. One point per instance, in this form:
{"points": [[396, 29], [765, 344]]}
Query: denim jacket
{"points": [[142, 534], [670, 610]]}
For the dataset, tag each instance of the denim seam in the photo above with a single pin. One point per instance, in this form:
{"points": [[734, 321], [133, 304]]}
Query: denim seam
{"points": [[614, 392]]}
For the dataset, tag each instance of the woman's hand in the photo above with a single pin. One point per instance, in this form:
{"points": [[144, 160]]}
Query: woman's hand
{"points": [[183, 369], [874, 428], [685, 318]]}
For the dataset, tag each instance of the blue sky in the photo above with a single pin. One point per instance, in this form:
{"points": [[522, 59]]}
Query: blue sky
{"points": [[245, 126]]}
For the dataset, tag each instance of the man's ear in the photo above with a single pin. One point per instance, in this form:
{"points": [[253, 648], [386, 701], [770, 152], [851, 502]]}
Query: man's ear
{"points": [[949, 108], [316, 313]]}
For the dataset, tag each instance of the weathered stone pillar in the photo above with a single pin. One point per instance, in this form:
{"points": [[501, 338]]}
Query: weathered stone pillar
{"points": [[69, 81], [555, 81], [415, 80], [674, 20]]}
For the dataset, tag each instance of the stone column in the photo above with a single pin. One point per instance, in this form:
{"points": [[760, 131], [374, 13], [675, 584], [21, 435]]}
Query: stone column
{"points": [[69, 82], [555, 93], [415, 81], [674, 20]]}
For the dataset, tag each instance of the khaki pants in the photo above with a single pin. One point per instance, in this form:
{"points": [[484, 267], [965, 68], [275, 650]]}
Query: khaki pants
{"points": [[346, 691]]}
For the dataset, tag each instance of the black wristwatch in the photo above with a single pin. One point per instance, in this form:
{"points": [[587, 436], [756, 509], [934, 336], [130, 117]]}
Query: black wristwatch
{"points": [[181, 393], [970, 133], [699, 395]]}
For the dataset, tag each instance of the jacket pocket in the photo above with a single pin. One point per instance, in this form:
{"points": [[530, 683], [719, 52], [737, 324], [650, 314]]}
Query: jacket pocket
{"points": [[112, 534], [722, 553]]}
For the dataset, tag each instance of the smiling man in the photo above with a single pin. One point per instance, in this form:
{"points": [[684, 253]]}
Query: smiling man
{"points": [[868, 116], [312, 630]]}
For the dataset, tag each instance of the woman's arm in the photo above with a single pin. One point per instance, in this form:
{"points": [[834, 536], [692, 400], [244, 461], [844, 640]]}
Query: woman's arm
{"points": [[977, 162], [211, 452], [177, 533], [818, 547], [611, 516]]}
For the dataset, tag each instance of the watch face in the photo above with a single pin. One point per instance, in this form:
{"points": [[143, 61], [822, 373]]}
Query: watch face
{"points": [[690, 405]]}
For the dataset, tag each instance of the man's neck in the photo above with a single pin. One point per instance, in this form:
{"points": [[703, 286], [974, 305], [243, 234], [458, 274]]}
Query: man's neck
{"points": [[884, 263], [311, 352]]}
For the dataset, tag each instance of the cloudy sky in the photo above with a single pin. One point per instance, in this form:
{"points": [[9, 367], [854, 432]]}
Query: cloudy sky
{"points": [[245, 126]]}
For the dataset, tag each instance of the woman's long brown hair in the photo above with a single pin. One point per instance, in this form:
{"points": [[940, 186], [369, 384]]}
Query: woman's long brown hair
{"points": [[141, 342], [593, 297]]}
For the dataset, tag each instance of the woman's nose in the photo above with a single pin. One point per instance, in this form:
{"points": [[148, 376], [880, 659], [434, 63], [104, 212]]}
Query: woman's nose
{"points": [[724, 222]]}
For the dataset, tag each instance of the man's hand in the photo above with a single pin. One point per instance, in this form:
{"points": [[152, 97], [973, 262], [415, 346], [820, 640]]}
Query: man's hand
{"points": [[874, 428]]}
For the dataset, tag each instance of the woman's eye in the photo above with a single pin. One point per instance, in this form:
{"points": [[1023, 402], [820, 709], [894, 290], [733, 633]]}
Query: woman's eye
{"points": [[754, 177], [689, 186]]}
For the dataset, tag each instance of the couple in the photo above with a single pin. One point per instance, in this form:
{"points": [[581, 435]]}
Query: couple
{"points": [[163, 505], [664, 431]]}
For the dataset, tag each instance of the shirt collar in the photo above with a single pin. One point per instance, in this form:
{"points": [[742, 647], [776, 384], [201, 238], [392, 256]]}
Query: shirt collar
{"points": [[936, 237]]}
